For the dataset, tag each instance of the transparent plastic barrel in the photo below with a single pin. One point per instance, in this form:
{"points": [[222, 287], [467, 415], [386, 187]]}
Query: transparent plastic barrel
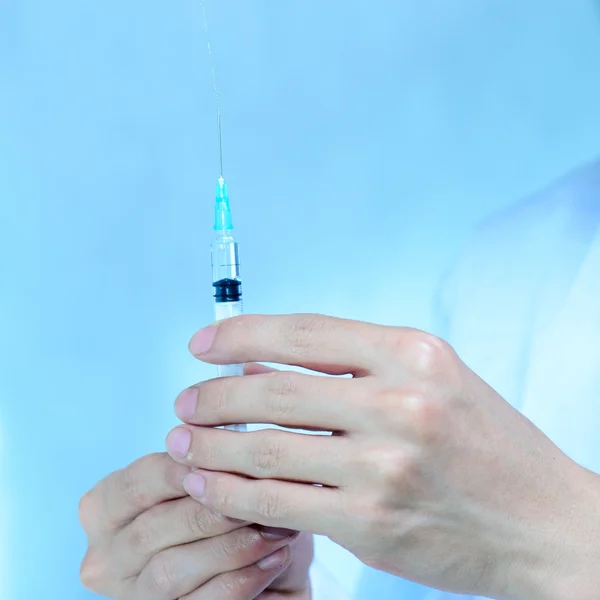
{"points": [[225, 258], [225, 263]]}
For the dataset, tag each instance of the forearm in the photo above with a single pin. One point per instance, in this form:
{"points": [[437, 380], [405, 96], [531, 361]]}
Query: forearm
{"points": [[564, 561]]}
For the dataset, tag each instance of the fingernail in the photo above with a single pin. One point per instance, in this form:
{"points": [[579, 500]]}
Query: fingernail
{"points": [[179, 442], [277, 560], [194, 485], [203, 340], [185, 405], [277, 533]]}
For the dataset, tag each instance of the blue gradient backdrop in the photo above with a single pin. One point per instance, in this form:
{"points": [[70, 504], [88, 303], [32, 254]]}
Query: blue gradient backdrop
{"points": [[363, 140]]}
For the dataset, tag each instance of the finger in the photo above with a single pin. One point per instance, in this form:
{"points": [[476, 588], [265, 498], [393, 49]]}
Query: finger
{"points": [[180, 570], [265, 454], [168, 524], [125, 494], [245, 583], [285, 398], [297, 506], [319, 343]]}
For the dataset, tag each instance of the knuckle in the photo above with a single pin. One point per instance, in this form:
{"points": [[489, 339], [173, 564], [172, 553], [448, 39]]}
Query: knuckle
{"points": [[87, 509], [267, 455], [230, 585], [423, 414], [233, 545], [221, 496], [132, 488], [163, 576], [301, 332], [395, 470], [412, 411], [426, 353], [390, 467], [156, 461], [282, 388], [269, 505], [200, 521], [217, 393], [132, 484], [206, 453], [92, 572], [157, 466], [240, 331]]}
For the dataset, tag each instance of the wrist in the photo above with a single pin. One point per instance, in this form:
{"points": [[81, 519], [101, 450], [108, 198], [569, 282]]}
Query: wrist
{"points": [[562, 561]]}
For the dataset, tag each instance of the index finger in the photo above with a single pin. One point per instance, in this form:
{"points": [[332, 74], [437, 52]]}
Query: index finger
{"points": [[326, 344], [124, 495]]}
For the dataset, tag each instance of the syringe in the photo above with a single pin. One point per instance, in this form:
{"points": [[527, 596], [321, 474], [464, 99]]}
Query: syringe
{"points": [[226, 273], [224, 249]]}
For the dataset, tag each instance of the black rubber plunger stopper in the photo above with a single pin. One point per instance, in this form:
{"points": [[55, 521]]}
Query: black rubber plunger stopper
{"points": [[228, 290]]}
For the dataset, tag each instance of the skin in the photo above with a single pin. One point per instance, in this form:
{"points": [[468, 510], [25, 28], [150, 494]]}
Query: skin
{"points": [[430, 474], [148, 540]]}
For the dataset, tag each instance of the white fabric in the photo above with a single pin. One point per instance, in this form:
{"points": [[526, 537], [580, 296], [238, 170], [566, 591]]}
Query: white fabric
{"points": [[325, 585]]}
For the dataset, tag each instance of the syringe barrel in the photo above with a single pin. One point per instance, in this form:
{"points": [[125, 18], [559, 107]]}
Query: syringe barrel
{"points": [[226, 310], [225, 258], [227, 286]]}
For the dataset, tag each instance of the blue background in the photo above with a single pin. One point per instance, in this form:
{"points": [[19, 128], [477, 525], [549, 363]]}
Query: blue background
{"points": [[362, 142]]}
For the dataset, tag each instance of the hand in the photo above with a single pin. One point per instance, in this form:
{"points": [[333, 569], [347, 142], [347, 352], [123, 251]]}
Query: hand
{"points": [[430, 474], [148, 540]]}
